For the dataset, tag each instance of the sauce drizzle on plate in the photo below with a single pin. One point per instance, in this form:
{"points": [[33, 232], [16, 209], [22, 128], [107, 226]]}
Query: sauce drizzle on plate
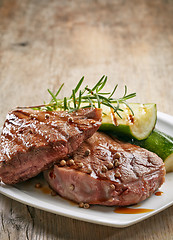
{"points": [[159, 193], [125, 210]]}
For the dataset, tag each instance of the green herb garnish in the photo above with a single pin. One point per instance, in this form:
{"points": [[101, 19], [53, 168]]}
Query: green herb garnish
{"points": [[87, 97]]}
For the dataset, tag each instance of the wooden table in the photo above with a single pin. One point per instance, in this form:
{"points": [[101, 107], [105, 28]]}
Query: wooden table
{"points": [[45, 43]]}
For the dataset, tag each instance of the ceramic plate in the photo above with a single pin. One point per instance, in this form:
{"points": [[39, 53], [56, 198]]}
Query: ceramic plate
{"points": [[42, 199]]}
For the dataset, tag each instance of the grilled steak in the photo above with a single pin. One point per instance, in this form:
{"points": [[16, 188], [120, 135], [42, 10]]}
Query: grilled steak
{"points": [[107, 172], [32, 140]]}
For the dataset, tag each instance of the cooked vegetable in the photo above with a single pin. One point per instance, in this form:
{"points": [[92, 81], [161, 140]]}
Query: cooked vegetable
{"points": [[169, 163], [138, 126]]}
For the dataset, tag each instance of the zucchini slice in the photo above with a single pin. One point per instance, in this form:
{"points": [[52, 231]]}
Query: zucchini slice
{"points": [[169, 163], [138, 126]]}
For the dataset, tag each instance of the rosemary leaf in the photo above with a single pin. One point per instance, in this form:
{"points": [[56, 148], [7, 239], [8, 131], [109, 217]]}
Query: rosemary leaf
{"points": [[79, 100], [78, 86], [87, 106], [125, 91], [74, 98], [49, 108], [104, 93], [129, 107], [103, 84], [117, 107], [98, 83], [119, 114], [91, 103], [53, 96], [65, 104], [128, 97], [113, 91], [59, 90], [98, 100], [82, 92]]}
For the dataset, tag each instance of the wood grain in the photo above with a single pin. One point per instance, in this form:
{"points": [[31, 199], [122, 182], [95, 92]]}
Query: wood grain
{"points": [[45, 43]]}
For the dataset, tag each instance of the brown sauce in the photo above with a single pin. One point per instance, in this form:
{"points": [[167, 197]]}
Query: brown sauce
{"points": [[131, 118], [48, 190], [45, 190], [159, 193], [113, 116], [125, 210]]}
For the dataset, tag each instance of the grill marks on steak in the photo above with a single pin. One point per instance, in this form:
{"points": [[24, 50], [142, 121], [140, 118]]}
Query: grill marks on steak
{"points": [[135, 175], [32, 140]]}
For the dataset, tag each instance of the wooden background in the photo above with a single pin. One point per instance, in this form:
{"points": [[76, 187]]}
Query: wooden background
{"points": [[45, 43]]}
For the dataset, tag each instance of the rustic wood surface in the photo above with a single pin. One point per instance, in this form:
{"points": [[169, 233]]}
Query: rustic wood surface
{"points": [[45, 43]]}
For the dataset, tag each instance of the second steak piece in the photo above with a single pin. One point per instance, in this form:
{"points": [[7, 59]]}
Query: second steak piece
{"points": [[32, 140], [108, 172]]}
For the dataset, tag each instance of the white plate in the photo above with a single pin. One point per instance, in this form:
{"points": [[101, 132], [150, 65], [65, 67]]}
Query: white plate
{"points": [[28, 194]]}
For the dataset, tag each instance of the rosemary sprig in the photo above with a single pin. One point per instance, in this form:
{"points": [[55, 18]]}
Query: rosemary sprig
{"points": [[87, 97], [59, 90]]}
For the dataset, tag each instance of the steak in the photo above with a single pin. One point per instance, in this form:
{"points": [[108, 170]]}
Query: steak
{"points": [[106, 171], [33, 140]]}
